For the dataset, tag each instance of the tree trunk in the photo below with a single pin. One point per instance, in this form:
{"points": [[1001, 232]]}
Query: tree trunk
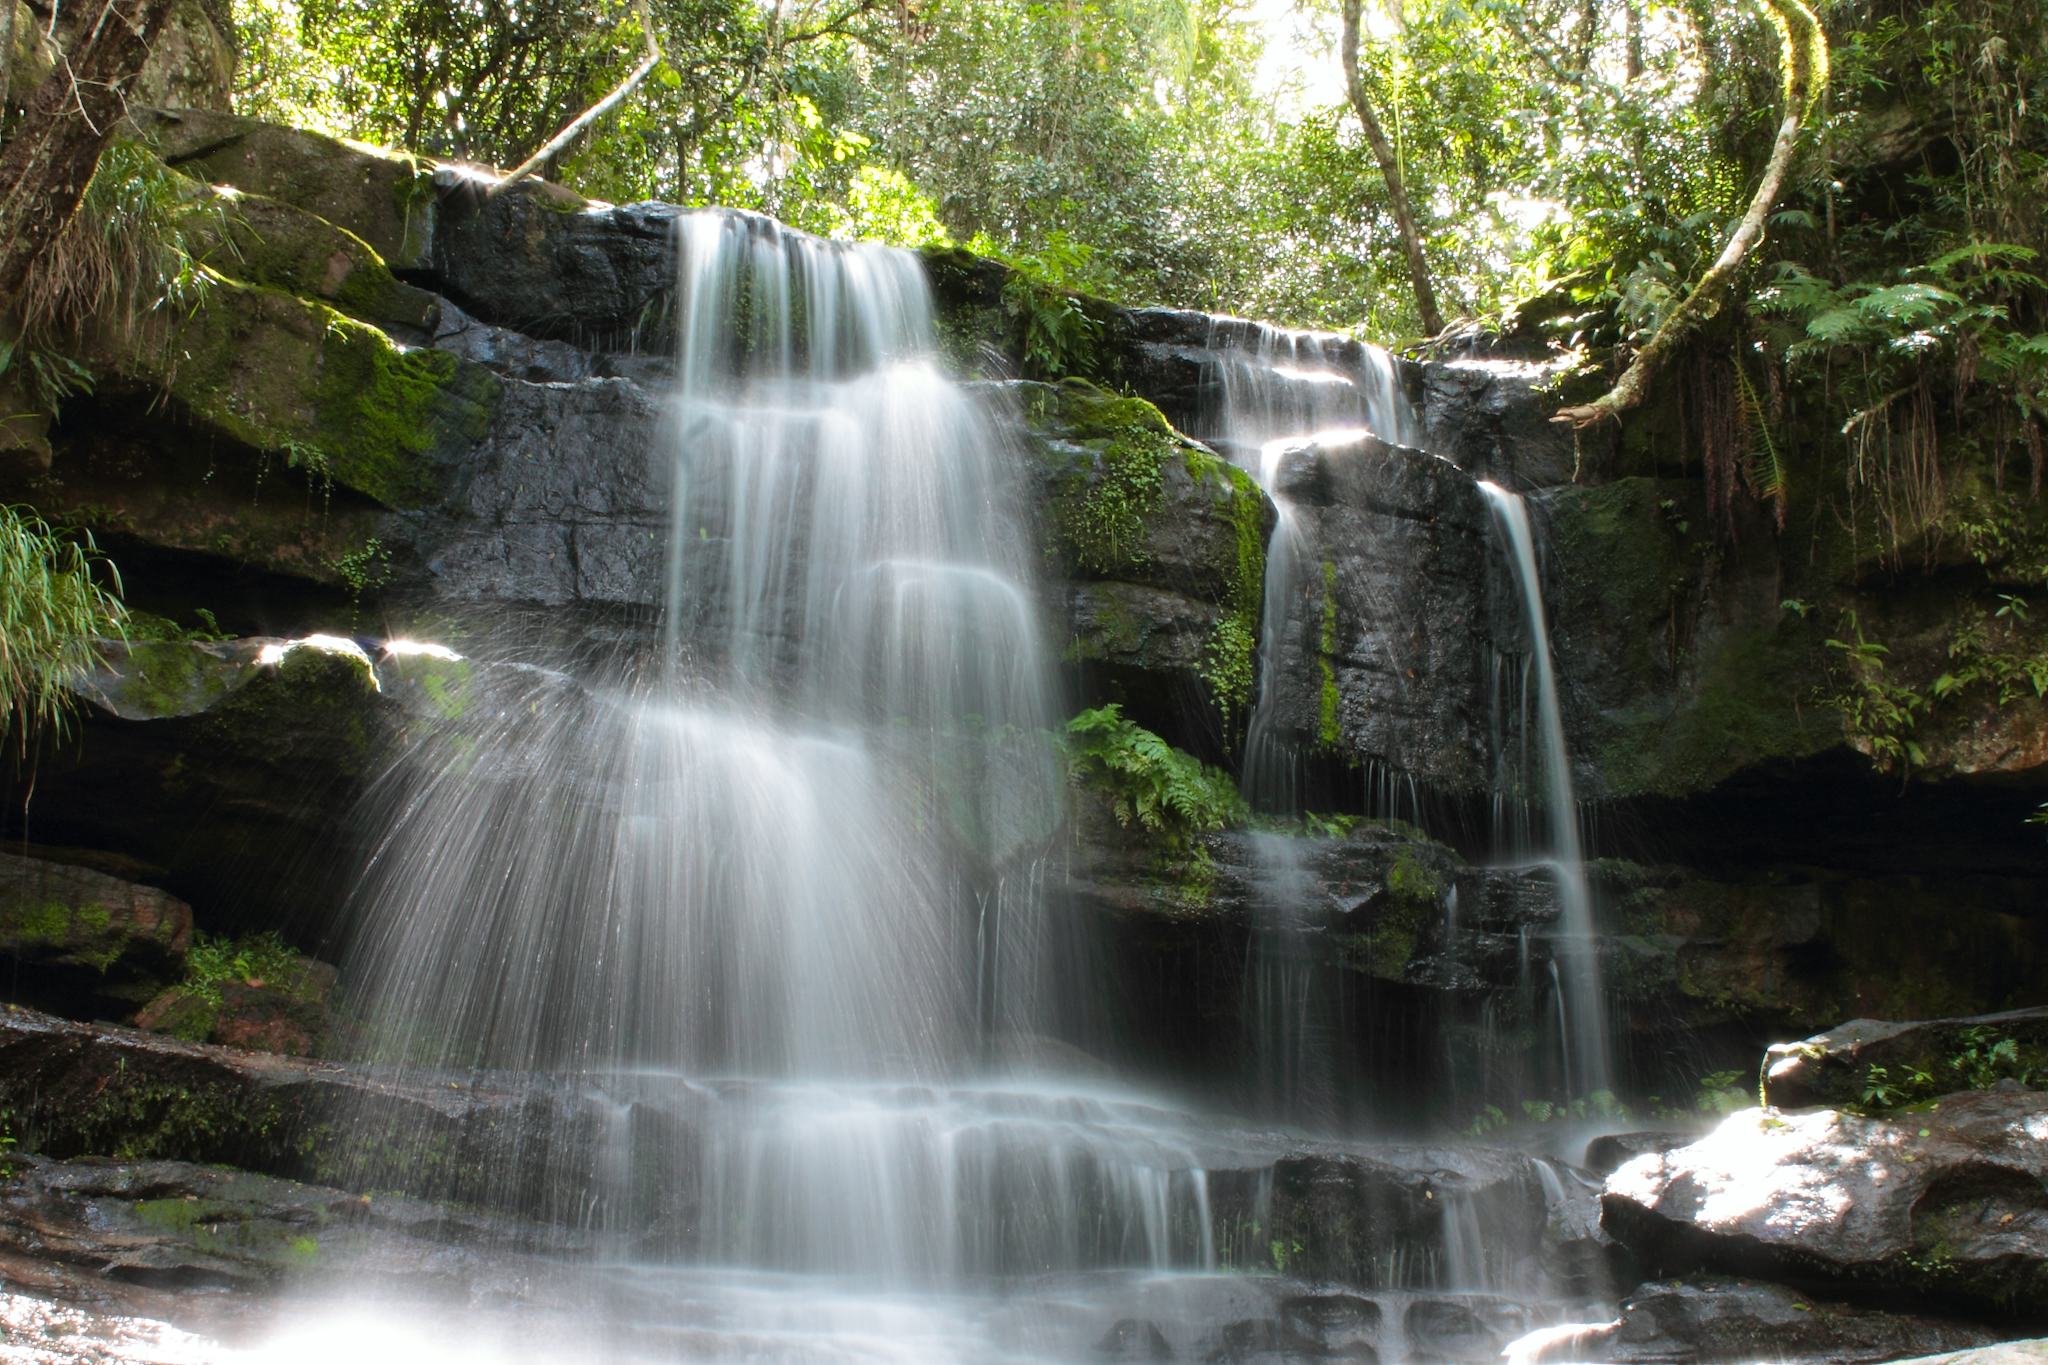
{"points": [[6, 61], [46, 166], [1390, 170], [1806, 67]]}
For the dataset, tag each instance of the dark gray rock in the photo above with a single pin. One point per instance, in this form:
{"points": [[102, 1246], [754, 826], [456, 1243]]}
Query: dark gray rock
{"points": [[543, 262], [1834, 1068], [1491, 418], [1399, 573], [1949, 1205], [565, 501]]}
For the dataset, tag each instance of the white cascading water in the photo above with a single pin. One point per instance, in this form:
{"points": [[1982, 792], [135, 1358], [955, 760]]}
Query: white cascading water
{"points": [[1279, 391], [764, 902], [748, 883], [1582, 1013]]}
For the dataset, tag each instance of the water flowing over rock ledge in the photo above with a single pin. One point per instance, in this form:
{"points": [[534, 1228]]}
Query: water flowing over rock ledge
{"points": [[424, 411]]}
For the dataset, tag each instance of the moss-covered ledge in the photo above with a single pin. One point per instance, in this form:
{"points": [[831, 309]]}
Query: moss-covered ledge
{"points": [[1156, 531], [287, 376]]}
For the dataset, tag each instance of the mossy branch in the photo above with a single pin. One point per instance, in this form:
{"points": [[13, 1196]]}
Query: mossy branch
{"points": [[1805, 59]]}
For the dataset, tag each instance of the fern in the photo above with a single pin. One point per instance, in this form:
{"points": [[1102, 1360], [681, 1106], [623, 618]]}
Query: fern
{"points": [[1148, 782]]}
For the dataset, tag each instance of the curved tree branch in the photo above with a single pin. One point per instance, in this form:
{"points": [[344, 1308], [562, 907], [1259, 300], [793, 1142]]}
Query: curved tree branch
{"points": [[1805, 49]]}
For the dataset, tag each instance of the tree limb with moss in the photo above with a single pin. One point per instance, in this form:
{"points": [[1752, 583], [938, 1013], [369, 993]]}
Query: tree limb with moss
{"points": [[1804, 60]]}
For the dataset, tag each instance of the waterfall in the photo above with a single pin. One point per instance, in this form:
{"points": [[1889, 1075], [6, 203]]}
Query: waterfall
{"points": [[1582, 1014], [1279, 391], [744, 905], [770, 892]]}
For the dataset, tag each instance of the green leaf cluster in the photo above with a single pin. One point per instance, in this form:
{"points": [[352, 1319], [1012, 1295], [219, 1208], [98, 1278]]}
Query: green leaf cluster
{"points": [[54, 613], [1149, 783]]}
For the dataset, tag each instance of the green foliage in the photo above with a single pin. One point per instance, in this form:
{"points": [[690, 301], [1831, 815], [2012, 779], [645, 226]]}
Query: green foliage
{"points": [[1147, 781], [129, 253], [1982, 1057], [363, 569], [1879, 713], [255, 959], [43, 376], [53, 615], [1059, 336]]}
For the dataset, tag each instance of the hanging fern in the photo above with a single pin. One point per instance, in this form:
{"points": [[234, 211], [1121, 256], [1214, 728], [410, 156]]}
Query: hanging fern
{"points": [[1764, 471]]}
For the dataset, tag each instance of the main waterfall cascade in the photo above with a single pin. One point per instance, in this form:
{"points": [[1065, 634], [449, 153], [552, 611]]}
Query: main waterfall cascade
{"points": [[740, 898]]}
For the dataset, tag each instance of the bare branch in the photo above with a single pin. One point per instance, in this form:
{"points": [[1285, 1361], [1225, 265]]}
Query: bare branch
{"points": [[595, 112]]}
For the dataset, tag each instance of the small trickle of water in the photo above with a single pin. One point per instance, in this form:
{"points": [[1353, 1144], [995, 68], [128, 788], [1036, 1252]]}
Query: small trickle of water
{"points": [[1278, 391], [1582, 1014]]}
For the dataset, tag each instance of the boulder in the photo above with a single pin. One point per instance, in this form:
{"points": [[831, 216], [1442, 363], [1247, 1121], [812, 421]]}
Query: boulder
{"points": [[191, 63], [286, 1013], [1491, 417], [290, 378], [1397, 597], [516, 1145], [1155, 552], [1695, 1322], [546, 263], [1834, 1068], [233, 762], [85, 941], [385, 198], [1948, 1205]]}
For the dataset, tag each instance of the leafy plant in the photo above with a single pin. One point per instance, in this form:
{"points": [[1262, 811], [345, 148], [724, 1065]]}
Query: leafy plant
{"points": [[1983, 1056], [255, 959], [129, 251], [53, 615], [1878, 712], [1148, 782], [361, 570], [46, 378]]}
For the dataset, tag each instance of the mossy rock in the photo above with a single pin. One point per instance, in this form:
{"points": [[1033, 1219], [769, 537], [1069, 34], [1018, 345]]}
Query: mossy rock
{"points": [[1178, 532], [87, 940], [298, 380], [385, 198], [1674, 697], [265, 241]]}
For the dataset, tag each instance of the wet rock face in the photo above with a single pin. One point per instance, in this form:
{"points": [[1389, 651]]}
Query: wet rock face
{"points": [[1384, 658], [1489, 417], [541, 261], [1948, 1205], [562, 503], [83, 940]]}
